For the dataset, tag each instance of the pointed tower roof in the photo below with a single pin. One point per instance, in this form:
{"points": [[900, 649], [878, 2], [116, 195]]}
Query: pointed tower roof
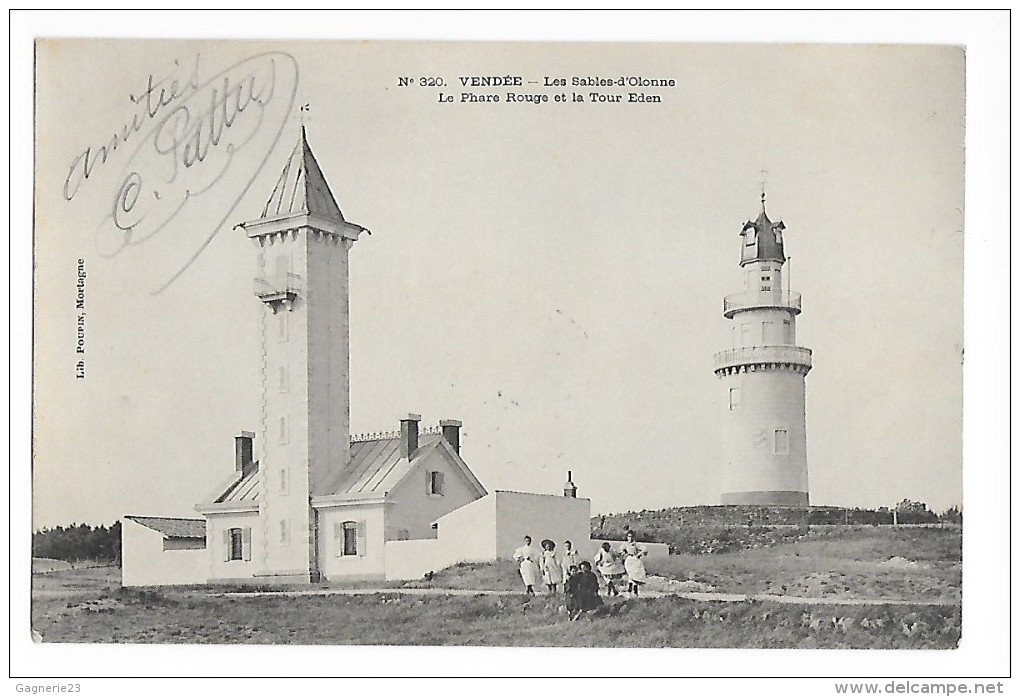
{"points": [[763, 239], [302, 198], [301, 187]]}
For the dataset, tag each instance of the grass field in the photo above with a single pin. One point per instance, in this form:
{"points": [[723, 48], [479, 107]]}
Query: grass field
{"points": [[88, 605]]}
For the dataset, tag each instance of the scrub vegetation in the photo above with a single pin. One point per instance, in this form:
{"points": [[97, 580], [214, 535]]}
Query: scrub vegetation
{"points": [[910, 578]]}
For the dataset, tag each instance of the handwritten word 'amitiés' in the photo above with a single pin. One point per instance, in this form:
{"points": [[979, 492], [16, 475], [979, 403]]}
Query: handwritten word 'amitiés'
{"points": [[185, 134]]}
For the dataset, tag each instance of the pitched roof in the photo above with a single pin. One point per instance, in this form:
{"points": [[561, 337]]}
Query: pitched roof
{"points": [[172, 527], [244, 489], [302, 188], [375, 466]]}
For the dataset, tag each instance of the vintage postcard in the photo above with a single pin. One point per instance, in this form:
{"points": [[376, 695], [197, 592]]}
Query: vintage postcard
{"points": [[499, 344]]}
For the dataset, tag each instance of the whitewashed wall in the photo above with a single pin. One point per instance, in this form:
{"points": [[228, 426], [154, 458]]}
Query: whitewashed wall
{"points": [[370, 562], [144, 562], [467, 534], [222, 569], [541, 516]]}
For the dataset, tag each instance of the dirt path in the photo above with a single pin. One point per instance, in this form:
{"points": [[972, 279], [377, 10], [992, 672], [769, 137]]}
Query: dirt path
{"points": [[724, 597]]}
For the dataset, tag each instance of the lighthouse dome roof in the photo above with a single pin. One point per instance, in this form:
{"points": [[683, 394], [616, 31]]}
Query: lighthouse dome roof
{"points": [[762, 239]]}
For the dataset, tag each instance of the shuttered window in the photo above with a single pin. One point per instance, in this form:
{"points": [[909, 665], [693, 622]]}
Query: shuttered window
{"points": [[434, 483], [237, 544]]}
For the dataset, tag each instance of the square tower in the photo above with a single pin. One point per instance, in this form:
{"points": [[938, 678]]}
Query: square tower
{"points": [[302, 282]]}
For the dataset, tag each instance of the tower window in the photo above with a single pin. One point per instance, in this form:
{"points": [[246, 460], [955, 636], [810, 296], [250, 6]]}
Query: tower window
{"points": [[787, 331], [284, 533], [281, 326], [734, 399], [282, 380], [782, 442], [766, 332], [745, 334], [284, 481], [283, 435]]}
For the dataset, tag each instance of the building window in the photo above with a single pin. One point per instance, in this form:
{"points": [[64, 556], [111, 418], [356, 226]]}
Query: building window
{"points": [[434, 483], [281, 326], [766, 333], [787, 331], [236, 544], [284, 481], [734, 399], [284, 533], [782, 442], [283, 430], [282, 381], [349, 548], [745, 334]]}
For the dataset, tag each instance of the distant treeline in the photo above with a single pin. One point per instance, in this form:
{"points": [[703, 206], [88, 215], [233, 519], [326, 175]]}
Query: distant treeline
{"points": [[78, 542]]}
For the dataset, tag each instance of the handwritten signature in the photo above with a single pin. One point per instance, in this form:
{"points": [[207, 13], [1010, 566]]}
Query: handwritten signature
{"points": [[187, 134]]}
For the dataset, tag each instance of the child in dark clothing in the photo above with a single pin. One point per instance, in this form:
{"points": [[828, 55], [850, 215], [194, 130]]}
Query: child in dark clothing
{"points": [[583, 591]]}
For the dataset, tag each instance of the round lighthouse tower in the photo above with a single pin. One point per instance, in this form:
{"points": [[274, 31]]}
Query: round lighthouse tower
{"points": [[762, 376]]}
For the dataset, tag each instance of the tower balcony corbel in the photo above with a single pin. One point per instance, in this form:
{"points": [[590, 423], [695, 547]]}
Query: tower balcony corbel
{"points": [[279, 291]]}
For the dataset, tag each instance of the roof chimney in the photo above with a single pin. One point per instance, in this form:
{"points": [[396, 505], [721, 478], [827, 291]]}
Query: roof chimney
{"points": [[569, 489], [409, 435], [243, 451], [451, 432]]}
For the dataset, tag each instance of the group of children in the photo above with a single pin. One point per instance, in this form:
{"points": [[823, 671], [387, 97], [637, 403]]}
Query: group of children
{"points": [[580, 583]]}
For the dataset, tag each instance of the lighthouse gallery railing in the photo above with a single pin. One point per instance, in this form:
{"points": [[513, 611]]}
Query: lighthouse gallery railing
{"points": [[763, 354], [787, 300]]}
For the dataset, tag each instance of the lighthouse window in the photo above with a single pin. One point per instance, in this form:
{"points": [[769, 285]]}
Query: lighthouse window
{"points": [[766, 333], [283, 383], [734, 398], [787, 331], [283, 429], [281, 326], [782, 441]]}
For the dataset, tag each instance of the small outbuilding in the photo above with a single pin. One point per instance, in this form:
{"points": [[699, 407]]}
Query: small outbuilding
{"points": [[163, 551]]}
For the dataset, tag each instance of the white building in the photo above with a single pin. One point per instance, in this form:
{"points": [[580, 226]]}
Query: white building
{"points": [[762, 375], [305, 501]]}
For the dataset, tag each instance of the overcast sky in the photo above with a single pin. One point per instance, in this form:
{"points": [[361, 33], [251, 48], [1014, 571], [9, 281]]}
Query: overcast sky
{"points": [[551, 274]]}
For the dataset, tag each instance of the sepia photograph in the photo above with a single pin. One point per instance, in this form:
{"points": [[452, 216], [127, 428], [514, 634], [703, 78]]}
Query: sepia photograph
{"points": [[473, 343]]}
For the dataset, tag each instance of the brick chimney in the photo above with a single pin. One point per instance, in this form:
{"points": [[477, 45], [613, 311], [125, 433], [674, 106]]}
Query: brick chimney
{"points": [[409, 435], [244, 451], [569, 489], [451, 432]]}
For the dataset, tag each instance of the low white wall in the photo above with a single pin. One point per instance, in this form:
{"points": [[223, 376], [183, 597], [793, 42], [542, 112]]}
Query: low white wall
{"points": [[467, 534], [541, 516], [144, 562], [408, 560]]}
